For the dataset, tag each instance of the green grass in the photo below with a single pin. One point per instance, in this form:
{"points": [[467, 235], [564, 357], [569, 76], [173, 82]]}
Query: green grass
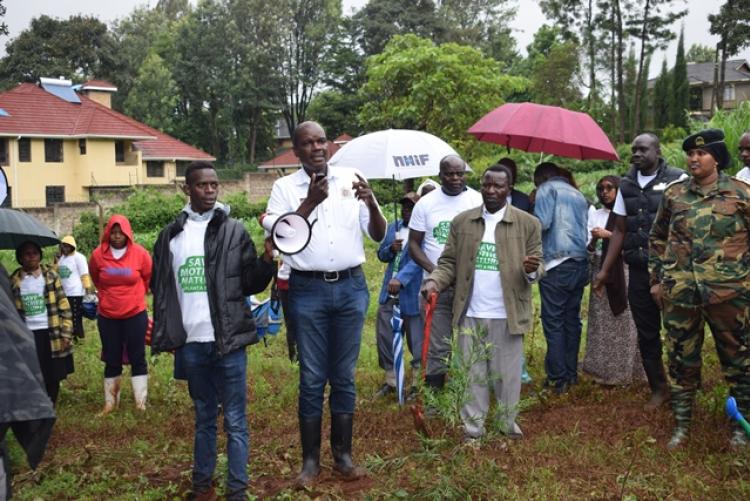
{"points": [[593, 443]]}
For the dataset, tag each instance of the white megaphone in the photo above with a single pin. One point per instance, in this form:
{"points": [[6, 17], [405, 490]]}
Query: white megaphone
{"points": [[291, 233]]}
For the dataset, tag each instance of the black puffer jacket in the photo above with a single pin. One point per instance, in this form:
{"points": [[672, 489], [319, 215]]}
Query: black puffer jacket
{"points": [[641, 205], [233, 271]]}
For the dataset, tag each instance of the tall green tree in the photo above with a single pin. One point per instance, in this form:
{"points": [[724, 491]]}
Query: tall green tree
{"points": [[415, 84], [154, 96], [732, 25], [645, 100], [379, 20], [699, 53], [661, 98], [77, 48], [308, 28], [484, 24], [680, 87], [3, 26], [142, 32], [650, 22]]}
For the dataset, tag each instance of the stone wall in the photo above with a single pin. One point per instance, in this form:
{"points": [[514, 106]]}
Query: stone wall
{"points": [[62, 217]]}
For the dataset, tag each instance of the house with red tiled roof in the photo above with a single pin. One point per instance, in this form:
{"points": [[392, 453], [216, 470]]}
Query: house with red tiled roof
{"points": [[287, 160], [57, 141]]}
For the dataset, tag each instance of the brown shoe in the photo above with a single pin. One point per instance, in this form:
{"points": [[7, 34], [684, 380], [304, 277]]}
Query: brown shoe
{"points": [[209, 495]]}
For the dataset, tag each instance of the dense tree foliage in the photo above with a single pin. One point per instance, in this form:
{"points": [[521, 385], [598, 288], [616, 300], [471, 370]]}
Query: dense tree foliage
{"points": [[455, 87]]}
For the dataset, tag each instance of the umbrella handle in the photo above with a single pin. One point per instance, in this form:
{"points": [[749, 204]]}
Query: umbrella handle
{"points": [[429, 308], [734, 413]]}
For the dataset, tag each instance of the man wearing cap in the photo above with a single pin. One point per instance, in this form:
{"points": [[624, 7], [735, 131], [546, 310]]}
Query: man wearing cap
{"points": [[699, 259], [400, 285], [640, 192], [428, 232], [493, 254], [328, 293], [73, 269]]}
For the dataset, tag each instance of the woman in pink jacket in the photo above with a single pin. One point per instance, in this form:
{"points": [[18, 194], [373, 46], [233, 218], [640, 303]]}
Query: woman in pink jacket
{"points": [[121, 271]]}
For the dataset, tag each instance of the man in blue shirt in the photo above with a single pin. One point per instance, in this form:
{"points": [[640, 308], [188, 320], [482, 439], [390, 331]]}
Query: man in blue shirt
{"points": [[563, 212], [400, 283]]}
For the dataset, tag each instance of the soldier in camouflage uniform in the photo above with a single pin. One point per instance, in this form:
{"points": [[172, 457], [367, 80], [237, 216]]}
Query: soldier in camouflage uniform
{"points": [[699, 259]]}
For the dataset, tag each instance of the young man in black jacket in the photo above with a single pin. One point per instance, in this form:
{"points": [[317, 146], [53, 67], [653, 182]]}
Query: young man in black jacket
{"points": [[204, 266]]}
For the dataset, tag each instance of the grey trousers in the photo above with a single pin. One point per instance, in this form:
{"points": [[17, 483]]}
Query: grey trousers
{"points": [[439, 351], [413, 327], [495, 356]]}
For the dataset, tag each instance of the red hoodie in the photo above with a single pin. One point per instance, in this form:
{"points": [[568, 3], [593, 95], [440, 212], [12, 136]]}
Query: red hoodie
{"points": [[122, 283]]}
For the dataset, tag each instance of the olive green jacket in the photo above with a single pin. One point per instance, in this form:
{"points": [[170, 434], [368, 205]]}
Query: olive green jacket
{"points": [[517, 235]]}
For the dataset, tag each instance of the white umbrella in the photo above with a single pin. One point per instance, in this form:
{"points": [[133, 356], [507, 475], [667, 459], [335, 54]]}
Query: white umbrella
{"points": [[394, 154]]}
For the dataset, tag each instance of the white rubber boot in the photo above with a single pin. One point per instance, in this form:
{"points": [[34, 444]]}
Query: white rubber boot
{"points": [[140, 391], [111, 394]]}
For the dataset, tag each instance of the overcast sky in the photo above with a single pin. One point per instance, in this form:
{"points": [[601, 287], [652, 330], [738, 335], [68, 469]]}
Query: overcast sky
{"points": [[528, 18]]}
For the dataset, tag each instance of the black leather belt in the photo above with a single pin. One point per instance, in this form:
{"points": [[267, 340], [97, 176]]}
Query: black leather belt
{"points": [[329, 276]]}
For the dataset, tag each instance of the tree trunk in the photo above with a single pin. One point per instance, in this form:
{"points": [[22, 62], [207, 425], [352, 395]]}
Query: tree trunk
{"points": [[620, 84], [592, 53], [715, 86], [722, 74], [644, 40], [613, 78]]}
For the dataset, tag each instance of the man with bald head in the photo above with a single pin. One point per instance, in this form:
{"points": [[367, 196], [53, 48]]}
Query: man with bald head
{"points": [[428, 232], [638, 198], [328, 295]]}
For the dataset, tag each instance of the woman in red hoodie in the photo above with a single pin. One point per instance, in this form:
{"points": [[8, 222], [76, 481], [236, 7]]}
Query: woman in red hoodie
{"points": [[121, 271]]}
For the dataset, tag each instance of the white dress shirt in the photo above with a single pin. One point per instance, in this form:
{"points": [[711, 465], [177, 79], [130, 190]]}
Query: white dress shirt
{"points": [[338, 222]]}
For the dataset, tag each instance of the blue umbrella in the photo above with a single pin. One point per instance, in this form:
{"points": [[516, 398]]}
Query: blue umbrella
{"points": [[398, 351]]}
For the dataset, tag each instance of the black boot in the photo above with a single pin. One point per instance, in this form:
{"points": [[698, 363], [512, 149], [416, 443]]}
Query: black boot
{"points": [[658, 383], [309, 430], [682, 409], [435, 382], [341, 446]]}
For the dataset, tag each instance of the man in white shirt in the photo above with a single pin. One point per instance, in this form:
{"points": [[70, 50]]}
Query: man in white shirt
{"points": [[638, 198], [492, 256], [744, 151], [328, 295], [428, 232]]}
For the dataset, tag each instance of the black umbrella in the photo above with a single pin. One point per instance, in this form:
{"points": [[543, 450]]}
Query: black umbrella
{"points": [[17, 227]]}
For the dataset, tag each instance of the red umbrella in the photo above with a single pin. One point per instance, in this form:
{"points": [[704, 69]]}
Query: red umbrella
{"points": [[547, 129]]}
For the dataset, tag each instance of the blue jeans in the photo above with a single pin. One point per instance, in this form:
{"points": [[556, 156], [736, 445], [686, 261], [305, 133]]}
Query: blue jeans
{"points": [[328, 317], [561, 290], [213, 379]]}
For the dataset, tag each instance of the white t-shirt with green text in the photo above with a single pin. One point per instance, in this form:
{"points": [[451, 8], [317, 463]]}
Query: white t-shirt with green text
{"points": [[187, 250], [487, 292], [433, 214], [34, 305], [71, 268]]}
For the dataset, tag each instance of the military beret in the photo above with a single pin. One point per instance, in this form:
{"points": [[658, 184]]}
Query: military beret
{"points": [[712, 141]]}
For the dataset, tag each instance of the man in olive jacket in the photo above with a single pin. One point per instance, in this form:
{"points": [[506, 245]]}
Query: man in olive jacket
{"points": [[493, 255]]}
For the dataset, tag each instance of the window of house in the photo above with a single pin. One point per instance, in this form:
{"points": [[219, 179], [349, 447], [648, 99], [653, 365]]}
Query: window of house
{"points": [[154, 169], [181, 167], [8, 202], [119, 151], [54, 194], [696, 98], [53, 150], [24, 149], [3, 152], [729, 93], [82, 146]]}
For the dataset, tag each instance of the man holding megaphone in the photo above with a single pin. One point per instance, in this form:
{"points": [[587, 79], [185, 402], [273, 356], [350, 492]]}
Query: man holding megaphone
{"points": [[328, 294]]}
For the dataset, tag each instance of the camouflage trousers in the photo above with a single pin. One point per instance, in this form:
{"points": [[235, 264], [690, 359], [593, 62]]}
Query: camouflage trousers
{"points": [[729, 322]]}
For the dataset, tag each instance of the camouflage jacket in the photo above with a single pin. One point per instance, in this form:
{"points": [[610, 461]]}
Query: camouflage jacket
{"points": [[698, 246], [59, 315]]}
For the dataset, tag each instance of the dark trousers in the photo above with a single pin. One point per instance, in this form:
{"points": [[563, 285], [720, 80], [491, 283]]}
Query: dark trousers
{"points": [[126, 333], [645, 313]]}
